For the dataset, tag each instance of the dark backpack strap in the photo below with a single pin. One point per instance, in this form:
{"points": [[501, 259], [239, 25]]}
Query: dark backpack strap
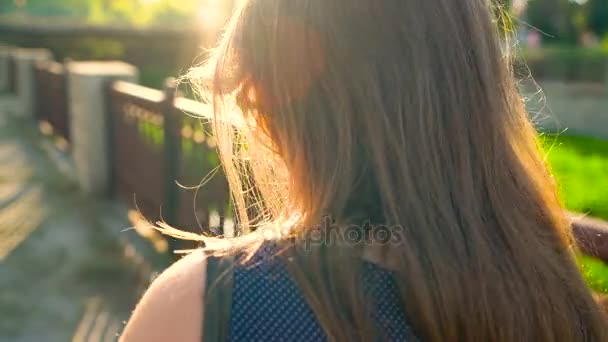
{"points": [[218, 298]]}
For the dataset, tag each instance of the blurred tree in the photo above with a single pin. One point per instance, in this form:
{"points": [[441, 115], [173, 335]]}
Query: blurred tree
{"points": [[58, 7], [554, 18], [597, 16], [138, 12]]}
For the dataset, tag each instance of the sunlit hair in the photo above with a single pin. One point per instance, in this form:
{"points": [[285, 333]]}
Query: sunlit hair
{"points": [[403, 113]]}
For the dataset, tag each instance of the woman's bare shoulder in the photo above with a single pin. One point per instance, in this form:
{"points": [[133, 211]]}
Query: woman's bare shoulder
{"points": [[172, 308]]}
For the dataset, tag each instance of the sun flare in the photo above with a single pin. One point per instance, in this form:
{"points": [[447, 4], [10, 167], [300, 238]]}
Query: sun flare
{"points": [[212, 13]]}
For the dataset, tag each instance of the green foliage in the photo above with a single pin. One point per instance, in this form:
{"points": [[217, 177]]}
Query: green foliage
{"points": [[597, 16], [148, 12], [154, 77], [134, 12], [564, 21], [58, 7], [554, 18]]}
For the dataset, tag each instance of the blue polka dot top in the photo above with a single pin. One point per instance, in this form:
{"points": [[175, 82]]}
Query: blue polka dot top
{"points": [[267, 304]]}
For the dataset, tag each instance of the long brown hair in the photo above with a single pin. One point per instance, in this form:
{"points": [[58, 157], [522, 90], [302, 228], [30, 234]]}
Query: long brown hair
{"points": [[404, 113]]}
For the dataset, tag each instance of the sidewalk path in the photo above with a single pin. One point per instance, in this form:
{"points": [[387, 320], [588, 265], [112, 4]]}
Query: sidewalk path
{"points": [[64, 275]]}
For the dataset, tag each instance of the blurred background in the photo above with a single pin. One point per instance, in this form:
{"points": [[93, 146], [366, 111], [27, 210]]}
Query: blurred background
{"points": [[93, 151], [161, 37]]}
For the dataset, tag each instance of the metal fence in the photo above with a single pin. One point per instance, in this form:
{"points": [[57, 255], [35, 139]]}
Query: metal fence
{"points": [[137, 152], [200, 205], [51, 90], [162, 149]]}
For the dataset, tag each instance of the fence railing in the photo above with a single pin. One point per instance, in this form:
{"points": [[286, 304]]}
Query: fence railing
{"points": [[160, 144], [51, 90], [200, 205], [161, 148], [138, 170]]}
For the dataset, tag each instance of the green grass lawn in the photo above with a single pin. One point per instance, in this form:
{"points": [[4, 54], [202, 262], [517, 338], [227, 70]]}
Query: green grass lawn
{"points": [[580, 165]]}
